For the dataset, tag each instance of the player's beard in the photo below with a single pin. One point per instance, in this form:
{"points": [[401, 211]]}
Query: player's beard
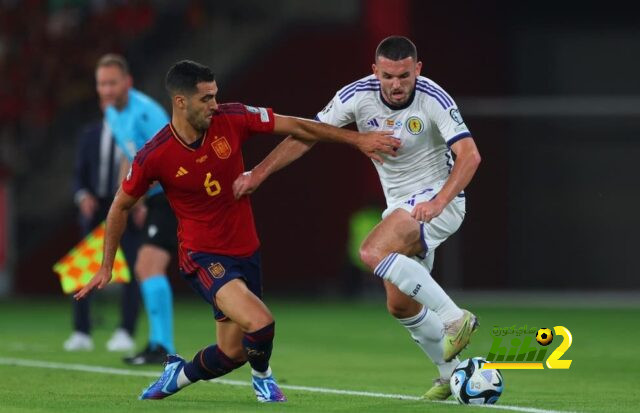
{"points": [[199, 123]]}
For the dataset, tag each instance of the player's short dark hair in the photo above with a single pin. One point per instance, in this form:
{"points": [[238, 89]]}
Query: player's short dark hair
{"points": [[113, 59], [184, 76], [397, 48]]}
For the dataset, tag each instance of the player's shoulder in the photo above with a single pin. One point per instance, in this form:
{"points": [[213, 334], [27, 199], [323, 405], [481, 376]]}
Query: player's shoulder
{"points": [[231, 109], [429, 91], [366, 84], [154, 146]]}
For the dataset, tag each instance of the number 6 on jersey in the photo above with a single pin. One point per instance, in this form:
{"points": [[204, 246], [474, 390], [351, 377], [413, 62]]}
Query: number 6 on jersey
{"points": [[212, 186]]}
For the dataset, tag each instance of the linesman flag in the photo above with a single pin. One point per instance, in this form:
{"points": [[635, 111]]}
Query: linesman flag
{"points": [[83, 261]]}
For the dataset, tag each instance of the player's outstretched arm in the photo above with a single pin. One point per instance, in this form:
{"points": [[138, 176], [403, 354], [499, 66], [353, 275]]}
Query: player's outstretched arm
{"points": [[282, 155], [467, 162], [116, 223], [371, 144]]}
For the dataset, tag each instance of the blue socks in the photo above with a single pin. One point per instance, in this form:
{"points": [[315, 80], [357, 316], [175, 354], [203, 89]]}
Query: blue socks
{"points": [[258, 346], [158, 302]]}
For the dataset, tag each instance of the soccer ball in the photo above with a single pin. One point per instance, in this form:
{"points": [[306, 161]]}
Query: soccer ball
{"points": [[544, 336], [470, 384]]}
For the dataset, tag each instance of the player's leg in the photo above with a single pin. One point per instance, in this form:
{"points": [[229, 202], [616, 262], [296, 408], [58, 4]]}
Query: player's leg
{"points": [[249, 339], [386, 251], [151, 269], [210, 362], [80, 339], [122, 337], [241, 305], [159, 241], [424, 326]]}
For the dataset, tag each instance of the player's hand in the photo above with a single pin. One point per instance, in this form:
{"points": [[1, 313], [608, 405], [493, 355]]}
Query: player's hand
{"points": [[245, 184], [88, 206], [102, 278], [374, 143], [426, 211]]}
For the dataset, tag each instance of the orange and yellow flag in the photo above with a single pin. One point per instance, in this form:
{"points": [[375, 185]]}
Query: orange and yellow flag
{"points": [[83, 261]]}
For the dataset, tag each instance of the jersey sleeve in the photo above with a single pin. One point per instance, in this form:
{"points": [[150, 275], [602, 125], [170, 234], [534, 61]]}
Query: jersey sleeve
{"points": [[338, 112], [138, 179], [449, 121], [259, 120]]}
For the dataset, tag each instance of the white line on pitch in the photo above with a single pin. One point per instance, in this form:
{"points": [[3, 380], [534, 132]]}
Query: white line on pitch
{"points": [[141, 373]]}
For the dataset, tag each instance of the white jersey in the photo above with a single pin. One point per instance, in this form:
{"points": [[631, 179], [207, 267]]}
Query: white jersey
{"points": [[427, 125]]}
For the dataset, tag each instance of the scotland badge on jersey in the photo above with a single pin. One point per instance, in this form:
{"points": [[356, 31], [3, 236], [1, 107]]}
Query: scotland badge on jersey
{"points": [[415, 125]]}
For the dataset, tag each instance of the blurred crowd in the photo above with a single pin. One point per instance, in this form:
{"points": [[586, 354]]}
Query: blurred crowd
{"points": [[48, 51]]}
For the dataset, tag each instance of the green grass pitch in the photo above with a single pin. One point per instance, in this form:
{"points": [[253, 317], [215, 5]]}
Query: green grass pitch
{"points": [[325, 344]]}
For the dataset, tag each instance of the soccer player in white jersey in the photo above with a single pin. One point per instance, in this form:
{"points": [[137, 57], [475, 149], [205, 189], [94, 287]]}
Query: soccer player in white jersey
{"points": [[423, 189]]}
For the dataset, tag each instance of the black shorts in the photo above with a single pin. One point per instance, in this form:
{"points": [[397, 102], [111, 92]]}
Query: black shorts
{"points": [[207, 273], [161, 226]]}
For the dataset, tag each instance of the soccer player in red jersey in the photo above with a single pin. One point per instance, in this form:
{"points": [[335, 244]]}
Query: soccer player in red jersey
{"points": [[196, 158]]}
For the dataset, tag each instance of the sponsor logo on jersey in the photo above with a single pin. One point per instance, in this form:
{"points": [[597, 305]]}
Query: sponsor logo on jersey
{"points": [[216, 270], [456, 116], [373, 123], [221, 147], [415, 125], [181, 172], [202, 158]]}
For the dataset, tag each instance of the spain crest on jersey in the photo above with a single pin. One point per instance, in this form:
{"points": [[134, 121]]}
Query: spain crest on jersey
{"points": [[216, 270], [221, 147]]}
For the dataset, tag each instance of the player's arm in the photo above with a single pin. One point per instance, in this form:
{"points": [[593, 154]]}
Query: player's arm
{"points": [[370, 143], [139, 210], [467, 162], [282, 155], [116, 223]]}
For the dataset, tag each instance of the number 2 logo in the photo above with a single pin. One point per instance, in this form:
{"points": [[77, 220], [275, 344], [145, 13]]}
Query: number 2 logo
{"points": [[554, 362]]}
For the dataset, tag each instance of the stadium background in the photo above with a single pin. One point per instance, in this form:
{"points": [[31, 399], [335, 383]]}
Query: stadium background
{"points": [[549, 91]]}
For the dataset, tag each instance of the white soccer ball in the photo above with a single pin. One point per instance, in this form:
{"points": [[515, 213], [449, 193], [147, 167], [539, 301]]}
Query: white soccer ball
{"points": [[471, 384]]}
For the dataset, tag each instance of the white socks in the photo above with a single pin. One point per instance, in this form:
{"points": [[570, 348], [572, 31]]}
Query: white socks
{"points": [[182, 380], [415, 281], [262, 375], [427, 330]]}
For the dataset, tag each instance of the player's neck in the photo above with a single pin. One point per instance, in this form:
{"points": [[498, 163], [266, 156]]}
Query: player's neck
{"points": [[186, 133]]}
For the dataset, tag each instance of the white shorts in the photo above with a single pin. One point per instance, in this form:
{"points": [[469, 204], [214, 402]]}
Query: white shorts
{"points": [[440, 228]]}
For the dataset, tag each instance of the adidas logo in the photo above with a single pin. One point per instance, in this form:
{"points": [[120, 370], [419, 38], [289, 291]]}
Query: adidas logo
{"points": [[373, 123], [181, 172]]}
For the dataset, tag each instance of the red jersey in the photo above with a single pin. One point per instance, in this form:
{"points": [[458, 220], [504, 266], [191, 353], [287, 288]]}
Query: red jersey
{"points": [[198, 181]]}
